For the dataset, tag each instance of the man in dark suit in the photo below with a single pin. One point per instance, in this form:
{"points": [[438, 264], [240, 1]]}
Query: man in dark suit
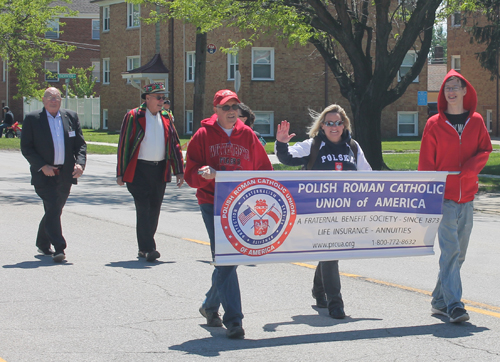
{"points": [[52, 142]]}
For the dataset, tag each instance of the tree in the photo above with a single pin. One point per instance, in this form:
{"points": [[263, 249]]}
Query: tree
{"points": [[84, 83], [23, 24], [364, 43], [439, 38], [488, 34]]}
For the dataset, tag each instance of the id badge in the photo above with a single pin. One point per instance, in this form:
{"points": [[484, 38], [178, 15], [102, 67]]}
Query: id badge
{"points": [[71, 133]]}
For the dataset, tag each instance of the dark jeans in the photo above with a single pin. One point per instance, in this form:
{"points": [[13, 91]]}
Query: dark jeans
{"points": [[54, 195], [327, 280], [2, 127], [147, 189], [225, 288]]}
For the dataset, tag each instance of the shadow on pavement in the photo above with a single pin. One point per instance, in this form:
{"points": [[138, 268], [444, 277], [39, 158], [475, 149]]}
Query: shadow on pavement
{"points": [[211, 347], [137, 264], [320, 320], [43, 261]]}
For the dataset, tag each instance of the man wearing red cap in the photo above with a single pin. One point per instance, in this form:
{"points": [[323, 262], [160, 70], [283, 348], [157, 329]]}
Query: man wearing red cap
{"points": [[223, 143], [148, 148]]}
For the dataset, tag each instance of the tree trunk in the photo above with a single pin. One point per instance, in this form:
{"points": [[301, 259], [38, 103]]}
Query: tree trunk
{"points": [[367, 119], [199, 79]]}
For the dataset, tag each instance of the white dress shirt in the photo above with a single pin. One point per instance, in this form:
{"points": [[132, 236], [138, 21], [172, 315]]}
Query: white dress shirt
{"points": [[57, 130], [153, 144]]}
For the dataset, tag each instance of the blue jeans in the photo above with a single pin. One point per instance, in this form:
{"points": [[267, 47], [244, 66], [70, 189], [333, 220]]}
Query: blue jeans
{"points": [[225, 288], [453, 234]]}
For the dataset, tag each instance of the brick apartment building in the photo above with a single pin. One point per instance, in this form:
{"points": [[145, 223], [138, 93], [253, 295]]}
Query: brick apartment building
{"points": [[462, 58], [277, 81], [83, 32]]}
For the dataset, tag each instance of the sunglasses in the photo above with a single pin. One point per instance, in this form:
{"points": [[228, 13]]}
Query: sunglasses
{"points": [[159, 97], [331, 123], [226, 108]]}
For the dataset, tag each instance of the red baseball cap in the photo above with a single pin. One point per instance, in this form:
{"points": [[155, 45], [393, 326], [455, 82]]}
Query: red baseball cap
{"points": [[223, 96]]}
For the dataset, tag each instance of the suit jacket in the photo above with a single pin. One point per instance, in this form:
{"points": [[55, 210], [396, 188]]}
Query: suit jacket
{"points": [[37, 145]]}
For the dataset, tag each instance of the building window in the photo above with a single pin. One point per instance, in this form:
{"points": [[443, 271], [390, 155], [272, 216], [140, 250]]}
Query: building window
{"points": [[53, 68], [190, 62], [408, 61], [4, 71], [489, 120], [133, 15], [232, 65], [262, 63], [104, 119], [96, 72], [95, 29], [456, 19], [456, 63], [133, 63], [54, 33], [105, 18], [189, 122], [264, 123], [105, 71], [407, 123]]}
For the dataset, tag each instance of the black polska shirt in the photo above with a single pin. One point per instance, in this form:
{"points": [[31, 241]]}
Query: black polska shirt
{"points": [[331, 156]]}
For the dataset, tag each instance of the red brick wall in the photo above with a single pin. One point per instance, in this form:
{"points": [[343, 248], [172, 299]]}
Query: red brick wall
{"points": [[459, 44], [299, 78]]}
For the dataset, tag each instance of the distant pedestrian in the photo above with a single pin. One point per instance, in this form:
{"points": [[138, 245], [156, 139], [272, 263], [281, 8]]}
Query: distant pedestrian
{"points": [[148, 149], [52, 142], [222, 143], [455, 139], [8, 120], [248, 117], [166, 106]]}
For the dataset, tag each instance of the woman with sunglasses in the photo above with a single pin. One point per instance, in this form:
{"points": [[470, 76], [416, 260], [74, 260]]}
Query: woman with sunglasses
{"points": [[330, 147]]}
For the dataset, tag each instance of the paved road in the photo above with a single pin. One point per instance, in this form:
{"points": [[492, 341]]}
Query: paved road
{"points": [[105, 305]]}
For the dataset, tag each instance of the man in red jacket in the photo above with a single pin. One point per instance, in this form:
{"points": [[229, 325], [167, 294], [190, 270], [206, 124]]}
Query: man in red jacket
{"points": [[223, 143], [455, 139]]}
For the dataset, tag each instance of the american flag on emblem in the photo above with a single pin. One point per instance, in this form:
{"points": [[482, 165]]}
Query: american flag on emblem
{"points": [[275, 214], [246, 215]]}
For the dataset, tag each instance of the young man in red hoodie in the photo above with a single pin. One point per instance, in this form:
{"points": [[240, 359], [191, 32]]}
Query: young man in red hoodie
{"points": [[455, 139], [223, 143]]}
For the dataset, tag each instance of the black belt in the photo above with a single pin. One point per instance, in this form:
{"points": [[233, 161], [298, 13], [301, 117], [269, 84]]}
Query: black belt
{"points": [[151, 163]]}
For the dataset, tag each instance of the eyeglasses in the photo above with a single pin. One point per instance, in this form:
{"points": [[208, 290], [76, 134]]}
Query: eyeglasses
{"points": [[454, 89], [160, 98], [52, 99], [332, 123], [226, 108]]}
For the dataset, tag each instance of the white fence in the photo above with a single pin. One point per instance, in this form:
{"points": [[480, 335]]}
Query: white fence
{"points": [[88, 109]]}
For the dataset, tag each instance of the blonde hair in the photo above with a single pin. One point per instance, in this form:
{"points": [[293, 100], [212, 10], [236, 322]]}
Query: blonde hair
{"points": [[318, 119]]}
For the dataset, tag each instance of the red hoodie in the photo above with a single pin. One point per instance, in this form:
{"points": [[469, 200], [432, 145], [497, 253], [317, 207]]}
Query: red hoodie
{"points": [[211, 146], [443, 149]]}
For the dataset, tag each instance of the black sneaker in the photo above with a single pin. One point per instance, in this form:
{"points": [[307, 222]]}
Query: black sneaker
{"points": [[440, 311], [58, 257], [337, 313], [46, 252], [152, 255], [459, 315], [141, 254], [213, 318], [236, 331]]}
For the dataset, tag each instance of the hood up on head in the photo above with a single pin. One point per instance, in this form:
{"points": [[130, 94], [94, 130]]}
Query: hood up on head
{"points": [[470, 98]]}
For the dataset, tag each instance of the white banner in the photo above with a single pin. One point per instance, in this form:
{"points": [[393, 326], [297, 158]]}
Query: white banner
{"points": [[292, 216]]}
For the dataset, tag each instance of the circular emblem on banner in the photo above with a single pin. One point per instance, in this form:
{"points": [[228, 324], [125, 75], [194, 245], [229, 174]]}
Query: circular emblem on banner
{"points": [[257, 216], [211, 48]]}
